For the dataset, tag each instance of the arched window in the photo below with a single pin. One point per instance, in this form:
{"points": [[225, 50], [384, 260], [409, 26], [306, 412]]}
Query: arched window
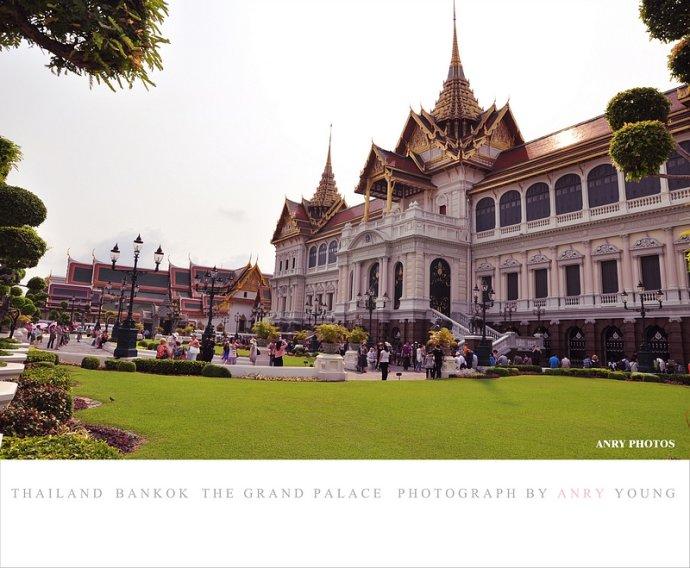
{"points": [[322, 254], [485, 214], [679, 166], [602, 185], [374, 279], [332, 252], [398, 285], [312, 257], [511, 211], [538, 202], [642, 188], [352, 284], [568, 194]]}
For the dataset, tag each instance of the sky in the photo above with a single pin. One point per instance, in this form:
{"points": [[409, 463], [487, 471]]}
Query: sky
{"points": [[240, 115]]}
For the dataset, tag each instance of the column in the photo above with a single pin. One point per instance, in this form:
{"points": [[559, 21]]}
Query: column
{"points": [[357, 280], [554, 280], [367, 197], [383, 263], [497, 213], [669, 261], [664, 184], [626, 264], [585, 198], [621, 189], [389, 195], [523, 209], [524, 278], [552, 200], [589, 280]]}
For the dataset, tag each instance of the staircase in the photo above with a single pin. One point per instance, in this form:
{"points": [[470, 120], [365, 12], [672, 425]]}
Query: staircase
{"points": [[501, 342]]}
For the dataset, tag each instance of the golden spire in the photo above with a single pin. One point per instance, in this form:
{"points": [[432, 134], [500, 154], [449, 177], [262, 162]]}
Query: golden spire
{"points": [[456, 104], [327, 191]]}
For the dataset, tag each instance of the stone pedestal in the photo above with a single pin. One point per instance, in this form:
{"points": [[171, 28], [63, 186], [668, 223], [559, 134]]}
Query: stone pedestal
{"points": [[330, 367], [350, 360], [448, 368], [7, 391]]}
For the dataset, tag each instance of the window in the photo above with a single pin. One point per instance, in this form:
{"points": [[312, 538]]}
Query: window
{"points": [[488, 282], [642, 188], [329, 301], [397, 294], [679, 166], [293, 262], [280, 266], [609, 277], [485, 214], [572, 280], [322, 254], [374, 279], [352, 284], [602, 185], [537, 202], [442, 210], [512, 279], [568, 194], [651, 273], [312, 257], [541, 283], [332, 252], [510, 207]]}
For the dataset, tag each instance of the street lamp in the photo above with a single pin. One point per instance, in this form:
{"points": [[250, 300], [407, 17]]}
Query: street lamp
{"points": [[116, 325], [237, 325], [538, 311], [368, 302], [258, 313], [127, 331], [507, 312], [104, 290], [211, 283], [484, 348], [644, 355]]}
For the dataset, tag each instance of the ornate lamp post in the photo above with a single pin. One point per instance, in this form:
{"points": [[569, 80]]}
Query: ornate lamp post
{"points": [[211, 283], [538, 311], [71, 311], [644, 355], [258, 313], [507, 312], [104, 290], [484, 348], [127, 331], [368, 302], [237, 324], [116, 325]]}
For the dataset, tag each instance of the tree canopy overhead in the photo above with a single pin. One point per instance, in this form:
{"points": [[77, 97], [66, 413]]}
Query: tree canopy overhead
{"points": [[112, 41]]}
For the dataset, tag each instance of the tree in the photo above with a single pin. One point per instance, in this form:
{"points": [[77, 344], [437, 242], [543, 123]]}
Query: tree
{"points": [[19, 306], [641, 141], [113, 41]]}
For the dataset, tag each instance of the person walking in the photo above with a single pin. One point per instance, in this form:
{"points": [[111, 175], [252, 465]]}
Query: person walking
{"points": [[362, 358], [51, 335], [232, 353], [419, 358], [253, 351], [58, 337], [280, 349], [226, 350], [194, 349], [271, 353], [371, 358], [438, 361], [429, 365], [384, 360], [406, 356]]}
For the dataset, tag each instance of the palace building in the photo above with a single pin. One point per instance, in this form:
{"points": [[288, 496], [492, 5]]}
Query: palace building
{"points": [[163, 297], [463, 200]]}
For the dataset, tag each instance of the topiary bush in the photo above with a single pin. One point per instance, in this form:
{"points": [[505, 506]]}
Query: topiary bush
{"points": [[10, 154], [40, 375], [502, 371], [36, 355], [528, 368], [126, 366], [679, 60], [646, 378], [636, 105], [90, 362], [666, 20], [584, 373], [72, 446], [48, 364], [619, 375], [211, 370], [20, 247], [169, 366], [639, 149], [20, 207]]}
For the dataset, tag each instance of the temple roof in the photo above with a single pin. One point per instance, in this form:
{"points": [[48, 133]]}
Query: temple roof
{"points": [[456, 102], [327, 191]]}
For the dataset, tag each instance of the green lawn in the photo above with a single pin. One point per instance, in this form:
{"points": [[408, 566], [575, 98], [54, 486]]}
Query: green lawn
{"points": [[516, 417]]}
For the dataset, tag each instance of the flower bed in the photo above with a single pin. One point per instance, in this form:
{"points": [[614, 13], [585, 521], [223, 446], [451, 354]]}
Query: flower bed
{"points": [[124, 441], [70, 446]]}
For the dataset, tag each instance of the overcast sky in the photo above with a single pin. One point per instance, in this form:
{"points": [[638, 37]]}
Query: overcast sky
{"points": [[239, 118]]}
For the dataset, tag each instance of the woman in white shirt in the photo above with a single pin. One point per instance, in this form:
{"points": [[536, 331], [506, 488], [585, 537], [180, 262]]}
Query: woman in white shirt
{"points": [[384, 359]]}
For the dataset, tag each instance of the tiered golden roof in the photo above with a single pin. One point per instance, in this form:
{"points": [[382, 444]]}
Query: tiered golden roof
{"points": [[326, 194]]}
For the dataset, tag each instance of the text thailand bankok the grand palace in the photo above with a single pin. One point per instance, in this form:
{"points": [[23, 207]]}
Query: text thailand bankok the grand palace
{"points": [[462, 200]]}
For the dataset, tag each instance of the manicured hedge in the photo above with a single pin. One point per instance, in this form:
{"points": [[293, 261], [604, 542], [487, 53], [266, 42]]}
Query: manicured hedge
{"points": [[169, 366], [90, 362], [528, 369], [4, 353], [73, 446], [502, 371], [40, 375], [120, 365], [587, 373], [35, 355], [211, 370], [150, 344]]}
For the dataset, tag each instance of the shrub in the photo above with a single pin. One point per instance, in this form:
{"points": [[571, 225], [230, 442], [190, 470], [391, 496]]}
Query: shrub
{"points": [[646, 377], [48, 364], [331, 333], [264, 329], [20, 207], [211, 370], [357, 335], [55, 376], [10, 154], [442, 338], [528, 368], [619, 375], [169, 366], [149, 344], [301, 336], [20, 247], [585, 373], [502, 371], [3, 364], [19, 420], [679, 60], [90, 362], [36, 355], [126, 366], [681, 378], [49, 399], [636, 105], [72, 446], [640, 148], [666, 20], [4, 353]]}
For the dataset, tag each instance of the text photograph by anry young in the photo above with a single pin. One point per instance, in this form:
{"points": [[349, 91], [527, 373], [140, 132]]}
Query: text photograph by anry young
{"points": [[500, 271]]}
